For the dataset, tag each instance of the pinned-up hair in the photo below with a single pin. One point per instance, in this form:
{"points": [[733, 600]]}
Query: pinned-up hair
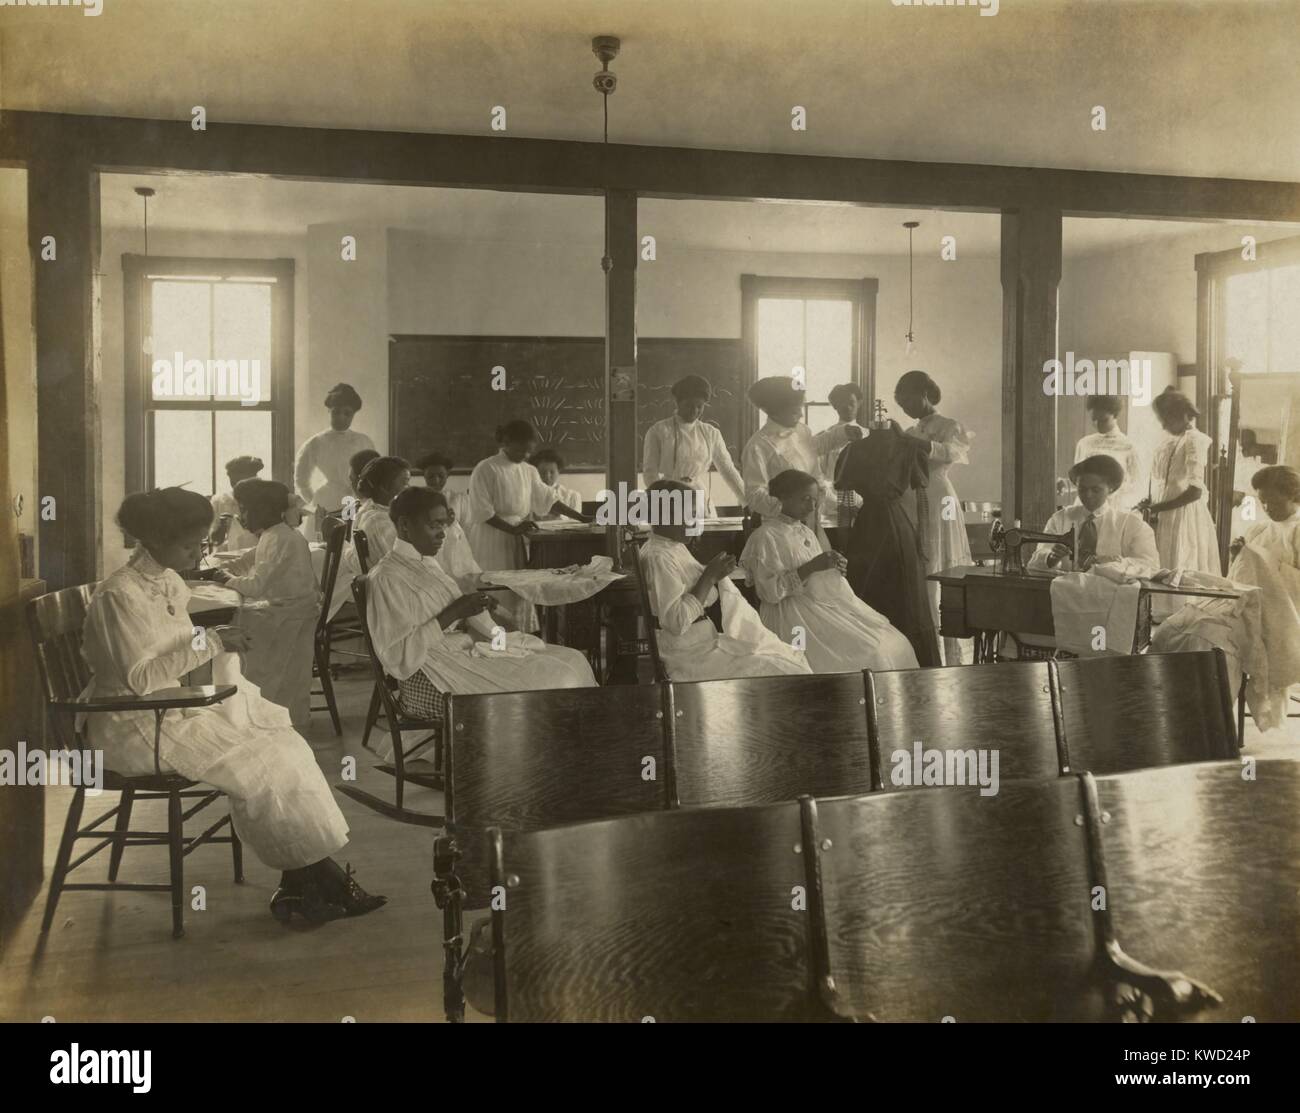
{"points": [[517, 430], [164, 515], [434, 460], [379, 473], [343, 394], [844, 391], [1283, 479], [1107, 467], [547, 456], [692, 386], [265, 497], [358, 460], [410, 501], [919, 383], [1172, 402], [244, 465], [789, 483], [1105, 403]]}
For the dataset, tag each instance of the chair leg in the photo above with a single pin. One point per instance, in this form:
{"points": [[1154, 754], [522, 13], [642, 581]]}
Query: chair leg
{"points": [[64, 856], [236, 853], [327, 685], [120, 828], [175, 847], [372, 716]]}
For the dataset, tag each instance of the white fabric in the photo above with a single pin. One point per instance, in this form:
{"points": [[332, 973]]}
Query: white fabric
{"points": [[1120, 533], [408, 591], [677, 449], [696, 650], [237, 537], [1185, 536], [840, 632], [945, 530], [281, 634], [457, 559], [320, 473], [1122, 450], [282, 807], [772, 450], [551, 587], [1084, 601]]}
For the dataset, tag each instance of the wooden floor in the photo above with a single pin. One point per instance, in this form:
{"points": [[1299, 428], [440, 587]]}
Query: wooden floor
{"points": [[111, 956]]}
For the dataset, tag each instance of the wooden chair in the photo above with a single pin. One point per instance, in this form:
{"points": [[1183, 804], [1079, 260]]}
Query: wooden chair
{"points": [[404, 766], [683, 915], [1120, 713], [361, 545], [527, 760], [945, 903], [763, 739], [648, 619], [1202, 872], [1008, 707], [56, 622], [329, 631]]}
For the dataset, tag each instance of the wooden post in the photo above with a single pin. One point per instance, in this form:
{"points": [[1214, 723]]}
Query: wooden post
{"points": [[1031, 275], [621, 450], [63, 222]]}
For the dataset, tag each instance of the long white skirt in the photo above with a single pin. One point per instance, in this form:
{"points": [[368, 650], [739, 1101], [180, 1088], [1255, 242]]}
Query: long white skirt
{"points": [[456, 669], [949, 548], [282, 807], [1185, 538], [836, 629], [279, 660], [704, 654]]}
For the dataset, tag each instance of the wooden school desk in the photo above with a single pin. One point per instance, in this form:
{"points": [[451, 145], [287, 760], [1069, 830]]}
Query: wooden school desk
{"points": [[984, 603]]}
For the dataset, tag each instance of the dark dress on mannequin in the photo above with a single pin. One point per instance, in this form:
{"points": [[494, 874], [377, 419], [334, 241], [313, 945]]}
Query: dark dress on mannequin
{"points": [[886, 563]]}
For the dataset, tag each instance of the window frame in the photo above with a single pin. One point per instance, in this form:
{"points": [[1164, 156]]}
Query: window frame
{"points": [[860, 292], [138, 364]]}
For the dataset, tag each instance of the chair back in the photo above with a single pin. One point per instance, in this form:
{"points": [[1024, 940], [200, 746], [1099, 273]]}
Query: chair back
{"points": [[386, 684], [527, 760], [57, 622], [764, 739], [335, 533], [1008, 708], [1202, 876], [1146, 710], [680, 915], [942, 902], [633, 554], [361, 544]]}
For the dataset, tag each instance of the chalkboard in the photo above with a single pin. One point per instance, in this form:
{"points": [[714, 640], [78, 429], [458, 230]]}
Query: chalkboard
{"points": [[441, 394]]}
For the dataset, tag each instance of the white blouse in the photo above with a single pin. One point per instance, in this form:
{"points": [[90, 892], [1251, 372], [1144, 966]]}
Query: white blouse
{"points": [[373, 520], [456, 558], [326, 455], [774, 554], [671, 572], [501, 488], [1119, 448], [675, 449], [1120, 533], [1180, 463], [772, 450], [407, 592], [279, 569], [1279, 540]]}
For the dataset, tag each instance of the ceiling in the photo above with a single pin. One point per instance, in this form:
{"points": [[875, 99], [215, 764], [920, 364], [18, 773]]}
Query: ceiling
{"points": [[1201, 87], [262, 206]]}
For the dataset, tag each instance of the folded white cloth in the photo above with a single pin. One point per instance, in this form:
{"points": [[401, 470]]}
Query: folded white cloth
{"points": [[514, 644], [1084, 604], [553, 586]]}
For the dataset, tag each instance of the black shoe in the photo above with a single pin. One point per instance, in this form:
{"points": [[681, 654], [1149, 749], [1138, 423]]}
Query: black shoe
{"points": [[345, 892], [308, 901]]}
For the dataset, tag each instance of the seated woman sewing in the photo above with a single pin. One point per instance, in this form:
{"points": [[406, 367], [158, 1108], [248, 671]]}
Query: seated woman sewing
{"points": [[1105, 533], [435, 640]]}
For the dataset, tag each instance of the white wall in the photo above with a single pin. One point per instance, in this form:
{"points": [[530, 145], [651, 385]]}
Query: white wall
{"points": [[19, 363]]}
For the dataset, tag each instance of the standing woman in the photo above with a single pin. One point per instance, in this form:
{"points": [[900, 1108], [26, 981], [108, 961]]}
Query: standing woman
{"points": [[684, 447], [946, 543], [1184, 531], [321, 471], [139, 638], [784, 443], [1109, 440], [504, 490]]}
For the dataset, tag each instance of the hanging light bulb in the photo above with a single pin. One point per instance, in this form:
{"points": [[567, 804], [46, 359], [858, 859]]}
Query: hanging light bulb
{"points": [[910, 347], [144, 193]]}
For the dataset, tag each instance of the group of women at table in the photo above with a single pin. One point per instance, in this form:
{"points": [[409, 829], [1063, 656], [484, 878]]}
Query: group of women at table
{"points": [[437, 631]]}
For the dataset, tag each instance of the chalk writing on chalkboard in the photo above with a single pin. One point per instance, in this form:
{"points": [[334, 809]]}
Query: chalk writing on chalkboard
{"points": [[441, 396]]}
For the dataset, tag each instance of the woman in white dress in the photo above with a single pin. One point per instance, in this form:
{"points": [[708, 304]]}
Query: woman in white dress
{"points": [[682, 592], [946, 542], [421, 623], [279, 573], [1185, 532], [549, 465], [784, 443], [436, 467], [139, 639], [321, 471], [684, 447], [805, 599], [1109, 440], [505, 492], [227, 534]]}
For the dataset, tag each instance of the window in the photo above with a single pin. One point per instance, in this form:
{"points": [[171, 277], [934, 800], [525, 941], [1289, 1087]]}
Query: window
{"points": [[1261, 320], [211, 343], [826, 327]]}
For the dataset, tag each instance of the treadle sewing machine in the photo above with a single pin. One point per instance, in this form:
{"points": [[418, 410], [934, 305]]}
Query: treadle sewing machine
{"points": [[1011, 542]]}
